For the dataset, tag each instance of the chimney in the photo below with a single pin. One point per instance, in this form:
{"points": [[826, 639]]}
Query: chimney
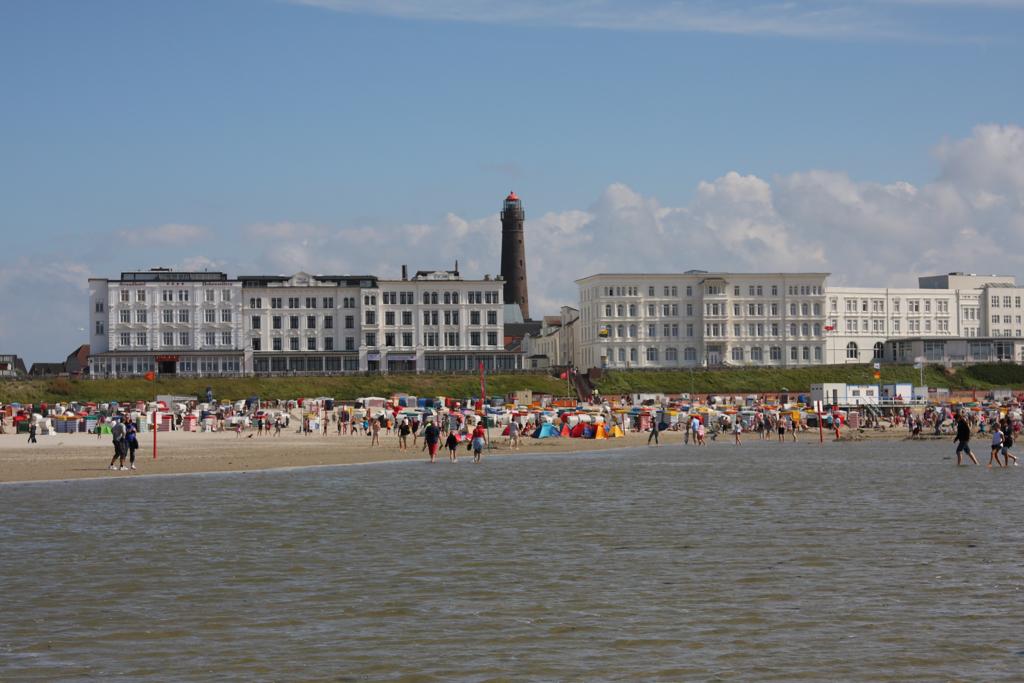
{"points": [[405, 272]]}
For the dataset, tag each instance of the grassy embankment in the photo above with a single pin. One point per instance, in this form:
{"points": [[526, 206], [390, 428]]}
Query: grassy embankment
{"points": [[757, 380], [725, 381]]}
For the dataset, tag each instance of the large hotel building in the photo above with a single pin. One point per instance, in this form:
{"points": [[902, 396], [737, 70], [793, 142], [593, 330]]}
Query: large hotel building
{"points": [[700, 318], [200, 323]]}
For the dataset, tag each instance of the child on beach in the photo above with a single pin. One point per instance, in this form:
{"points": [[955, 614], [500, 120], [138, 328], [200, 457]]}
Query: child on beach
{"points": [[737, 429], [452, 444], [997, 446]]}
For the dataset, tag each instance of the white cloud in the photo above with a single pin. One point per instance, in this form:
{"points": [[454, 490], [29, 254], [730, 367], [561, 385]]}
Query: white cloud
{"points": [[863, 232], [795, 18], [171, 234], [969, 217], [45, 305]]}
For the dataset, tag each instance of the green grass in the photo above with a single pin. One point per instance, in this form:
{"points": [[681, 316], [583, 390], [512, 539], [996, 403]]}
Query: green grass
{"points": [[340, 387], [759, 380], [724, 381]]}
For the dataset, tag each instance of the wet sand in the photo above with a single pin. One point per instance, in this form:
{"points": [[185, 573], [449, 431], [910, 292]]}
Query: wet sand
{"points": [[84, 456]]}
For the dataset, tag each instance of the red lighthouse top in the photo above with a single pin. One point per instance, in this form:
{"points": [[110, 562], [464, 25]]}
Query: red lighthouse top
{"points": [[511, 197]]}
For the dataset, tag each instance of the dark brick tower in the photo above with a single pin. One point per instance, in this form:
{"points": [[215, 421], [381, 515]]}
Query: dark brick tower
{"points": [[513, 254]]}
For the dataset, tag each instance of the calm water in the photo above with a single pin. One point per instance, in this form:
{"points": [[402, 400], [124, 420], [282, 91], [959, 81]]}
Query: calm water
{"points": [[872, 561]]}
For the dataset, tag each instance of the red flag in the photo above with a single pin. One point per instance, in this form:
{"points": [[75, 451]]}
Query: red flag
{"points": [[483, 388]]}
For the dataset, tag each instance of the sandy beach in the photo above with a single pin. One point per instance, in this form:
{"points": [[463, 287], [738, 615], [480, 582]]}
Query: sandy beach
{"points": [[84, 456]]}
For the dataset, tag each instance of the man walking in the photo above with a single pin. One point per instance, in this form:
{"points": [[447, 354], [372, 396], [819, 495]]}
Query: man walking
{"points": [[963, 440], [117, 431], [654, 432], [431, 440]]}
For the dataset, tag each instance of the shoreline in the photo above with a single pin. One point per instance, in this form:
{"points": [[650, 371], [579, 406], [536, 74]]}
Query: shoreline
{"points": [[73, 457], [76, 457]]}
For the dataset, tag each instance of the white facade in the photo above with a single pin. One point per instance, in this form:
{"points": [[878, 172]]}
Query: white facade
{"points": [[175, 321], [791, 319], [557, 343], [434, 321], [206, 324], [697, 318]]}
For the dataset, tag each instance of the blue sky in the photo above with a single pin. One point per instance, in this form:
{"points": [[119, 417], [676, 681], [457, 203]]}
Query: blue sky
{"points": [[349, 135]]}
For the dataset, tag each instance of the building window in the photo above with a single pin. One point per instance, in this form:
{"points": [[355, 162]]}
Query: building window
{"points": [[689, 353], [255, 322], [311, 343], [276, 343], [737, 354], [851, 351], [775, 353], [310, 322], [371, 339], [389, 339]]}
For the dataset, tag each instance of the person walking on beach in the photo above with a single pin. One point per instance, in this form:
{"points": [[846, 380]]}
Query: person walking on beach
{"points": [[963, 440], [694, 427], [277, 425], [737, 429], [432, 440], [654, 432], [452, 444], [403, 435], [375, 433], [513, 435], [117, 433], [1007, 442], [32, 431], [781, 429], [479, 441], [131, 437], [997, 446], [793, 426]]}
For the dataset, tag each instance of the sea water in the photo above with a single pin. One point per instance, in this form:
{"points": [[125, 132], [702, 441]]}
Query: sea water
{"points": [[864, 561]]}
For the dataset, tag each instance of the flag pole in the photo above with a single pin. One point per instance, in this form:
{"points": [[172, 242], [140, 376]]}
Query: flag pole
{"points": [[483, 405]]}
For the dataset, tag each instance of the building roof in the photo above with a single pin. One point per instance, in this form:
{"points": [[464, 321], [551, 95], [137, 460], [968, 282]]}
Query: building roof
{"points": [[704, 273], [42, 369]]}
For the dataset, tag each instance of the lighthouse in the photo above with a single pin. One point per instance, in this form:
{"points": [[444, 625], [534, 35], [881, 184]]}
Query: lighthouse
{"points": [[513, 254]]}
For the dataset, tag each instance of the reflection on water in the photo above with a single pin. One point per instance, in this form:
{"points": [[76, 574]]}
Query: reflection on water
{"points": [[877, 561]]}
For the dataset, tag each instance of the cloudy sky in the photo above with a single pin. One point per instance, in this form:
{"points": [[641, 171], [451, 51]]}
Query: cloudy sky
{"points": [[873, 139]]}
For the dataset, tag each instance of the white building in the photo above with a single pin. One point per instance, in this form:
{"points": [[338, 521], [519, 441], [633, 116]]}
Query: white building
{"points": [[165, 321], [697, 318], [784, 319], [557, 342], [207, 324], [938, 320]]}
